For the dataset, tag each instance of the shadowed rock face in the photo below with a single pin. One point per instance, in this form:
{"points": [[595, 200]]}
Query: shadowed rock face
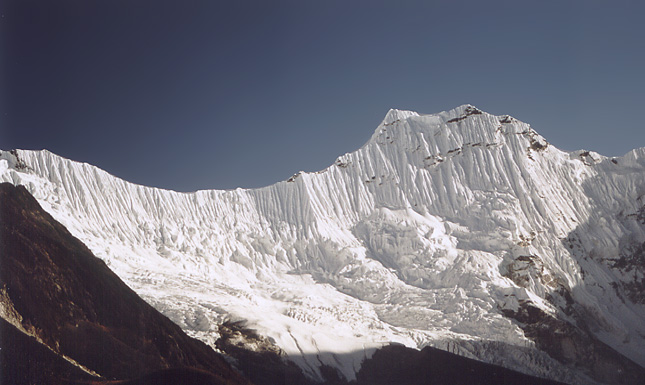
{"points": [[263, 362], [396, 364], [23, 360], [576, 346], [52, 287], [176, 376]]}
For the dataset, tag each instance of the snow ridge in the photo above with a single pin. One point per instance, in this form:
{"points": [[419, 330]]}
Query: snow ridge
{"points": [[421, 237]]}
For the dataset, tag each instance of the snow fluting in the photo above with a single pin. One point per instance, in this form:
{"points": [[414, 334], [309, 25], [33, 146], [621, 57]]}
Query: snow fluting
{"points": [[439, 232]]}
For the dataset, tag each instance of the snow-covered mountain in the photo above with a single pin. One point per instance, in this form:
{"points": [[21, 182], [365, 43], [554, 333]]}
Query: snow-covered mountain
{"points": [[460, 230]]}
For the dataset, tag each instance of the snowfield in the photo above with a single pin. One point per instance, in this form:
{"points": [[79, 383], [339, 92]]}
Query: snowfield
{"points": [[432, 233]]}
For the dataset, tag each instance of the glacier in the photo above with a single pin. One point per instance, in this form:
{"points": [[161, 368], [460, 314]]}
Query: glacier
{"points": [[438, 231]]}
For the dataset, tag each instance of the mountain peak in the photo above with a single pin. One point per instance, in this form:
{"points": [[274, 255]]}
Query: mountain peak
{"points": [[444, 131], [395, 115], [465, 108]]}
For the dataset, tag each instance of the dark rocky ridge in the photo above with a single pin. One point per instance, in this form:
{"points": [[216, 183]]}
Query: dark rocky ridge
{"points": [[396, 364], [54, 288]]}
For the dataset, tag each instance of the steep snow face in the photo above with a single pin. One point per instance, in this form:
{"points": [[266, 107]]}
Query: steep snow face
{"points": [[432, 233]]}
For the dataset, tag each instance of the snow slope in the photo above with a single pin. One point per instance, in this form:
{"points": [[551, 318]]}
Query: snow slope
{"points": [[432, 233]]}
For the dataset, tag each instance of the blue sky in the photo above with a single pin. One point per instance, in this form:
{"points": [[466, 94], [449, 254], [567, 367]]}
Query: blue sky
{"points": [[191, 95]]}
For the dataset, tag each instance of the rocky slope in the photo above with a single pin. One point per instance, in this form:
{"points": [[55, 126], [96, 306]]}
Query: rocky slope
{"points": [[25, 361], [459, 230]]}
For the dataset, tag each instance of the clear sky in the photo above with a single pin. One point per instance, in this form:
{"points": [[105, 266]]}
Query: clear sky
{"points": [[201, 94]]}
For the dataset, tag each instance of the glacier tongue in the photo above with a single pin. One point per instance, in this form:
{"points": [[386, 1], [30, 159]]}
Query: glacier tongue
{"points": [[430, 234]]}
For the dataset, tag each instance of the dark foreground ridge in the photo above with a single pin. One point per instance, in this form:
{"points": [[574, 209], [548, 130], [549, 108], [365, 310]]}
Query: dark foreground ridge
{"points": [[55, 289], [397, 364]]}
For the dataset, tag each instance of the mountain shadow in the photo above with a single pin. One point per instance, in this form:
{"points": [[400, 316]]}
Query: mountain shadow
{"points": [[397, 364], [266, 364], [55, 290]]}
